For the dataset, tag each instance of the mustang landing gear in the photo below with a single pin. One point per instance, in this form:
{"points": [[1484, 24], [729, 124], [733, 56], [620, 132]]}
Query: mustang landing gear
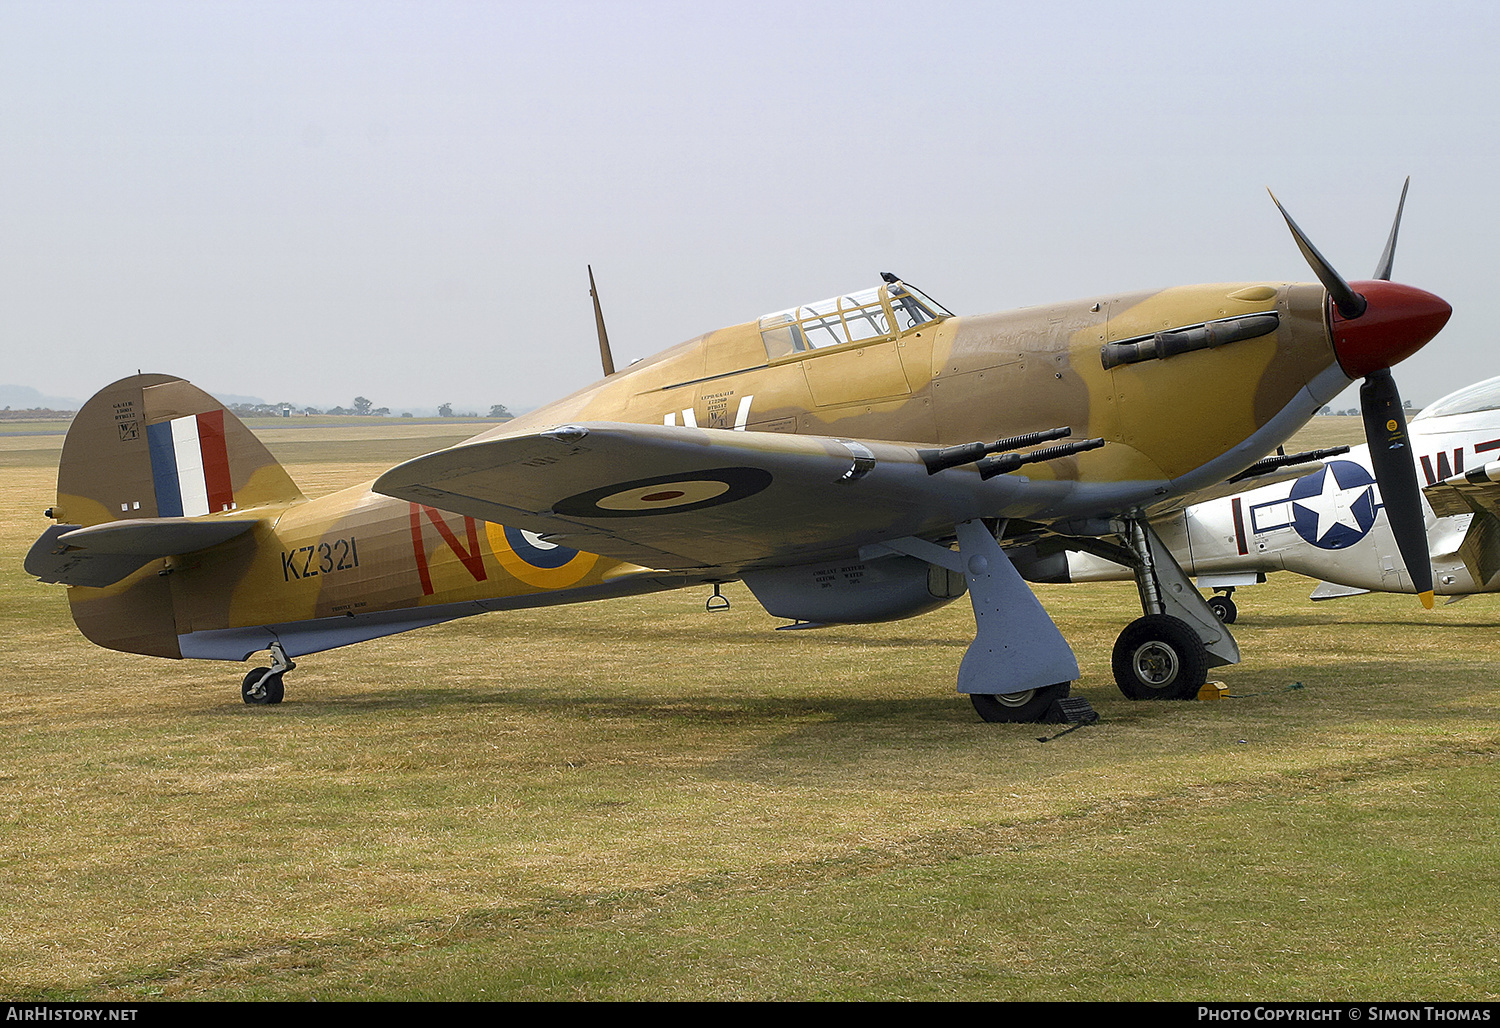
{"points": [[263, 684]]}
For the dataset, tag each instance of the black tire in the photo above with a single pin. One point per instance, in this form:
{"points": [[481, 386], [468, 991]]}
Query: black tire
{"points": [[1158, 657], [1223, 608], [271, 690], [1019, 707]]}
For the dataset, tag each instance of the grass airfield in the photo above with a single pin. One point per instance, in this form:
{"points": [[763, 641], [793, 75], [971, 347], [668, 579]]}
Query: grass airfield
{"points": [[640, 800]]}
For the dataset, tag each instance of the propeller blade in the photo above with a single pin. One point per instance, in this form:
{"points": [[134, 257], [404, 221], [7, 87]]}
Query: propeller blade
{"points": [[1371, 330], [1350, 304], [1391, 456], [1383, 269]]}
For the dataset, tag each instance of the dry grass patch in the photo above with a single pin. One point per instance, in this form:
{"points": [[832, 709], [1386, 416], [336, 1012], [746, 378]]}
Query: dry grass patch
{"points": [[637, 799]]}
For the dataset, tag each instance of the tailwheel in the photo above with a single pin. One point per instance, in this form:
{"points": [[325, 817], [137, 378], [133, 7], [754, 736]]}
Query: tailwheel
{"points": [[1223, 608], [1019, 707], [1158, 657], [262, 686]]}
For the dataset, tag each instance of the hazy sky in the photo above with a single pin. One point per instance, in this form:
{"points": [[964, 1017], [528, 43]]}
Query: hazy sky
{"points": [[307, 201]]}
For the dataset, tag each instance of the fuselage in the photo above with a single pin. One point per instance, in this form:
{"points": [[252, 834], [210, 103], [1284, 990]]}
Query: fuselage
{"points": [[952, 380]]}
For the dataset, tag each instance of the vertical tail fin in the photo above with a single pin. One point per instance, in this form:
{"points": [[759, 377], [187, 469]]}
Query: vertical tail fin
{"points": [[158, 446], [155, 446]]}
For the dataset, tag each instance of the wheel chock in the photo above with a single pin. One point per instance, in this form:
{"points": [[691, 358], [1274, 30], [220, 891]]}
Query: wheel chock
{"points": [[1070, 710]]}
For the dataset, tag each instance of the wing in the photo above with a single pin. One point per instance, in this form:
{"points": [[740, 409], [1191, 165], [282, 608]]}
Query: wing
{"points": [[1474, 492], [101, 555], [683, 498], [1477, 491]]}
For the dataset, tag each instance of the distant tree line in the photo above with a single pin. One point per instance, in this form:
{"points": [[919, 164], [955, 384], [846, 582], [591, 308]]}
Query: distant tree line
{"points": [[264, 410], [1407, 406], [363, 407], [498, 412], [35, 414]]}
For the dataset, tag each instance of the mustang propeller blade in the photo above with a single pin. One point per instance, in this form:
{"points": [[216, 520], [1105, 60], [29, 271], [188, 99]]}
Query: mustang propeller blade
{"points": [[1375, 324]]}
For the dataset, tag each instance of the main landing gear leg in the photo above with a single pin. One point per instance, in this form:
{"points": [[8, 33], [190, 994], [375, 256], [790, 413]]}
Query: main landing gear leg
{"points": [[263, 685], [1166, 654], [1018, 663]]}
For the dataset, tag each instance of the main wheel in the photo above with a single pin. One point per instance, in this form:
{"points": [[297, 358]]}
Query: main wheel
{"points": [[270, 691], [1013, 707], [1158, 657], [1223, 608]]}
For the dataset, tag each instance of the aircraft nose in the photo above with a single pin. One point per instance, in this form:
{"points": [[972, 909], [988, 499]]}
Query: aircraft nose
{"points": [[1397, 322]]}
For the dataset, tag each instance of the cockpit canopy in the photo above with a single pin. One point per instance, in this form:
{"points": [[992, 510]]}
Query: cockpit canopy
{"points": [[871, 315], [1469, 400]]}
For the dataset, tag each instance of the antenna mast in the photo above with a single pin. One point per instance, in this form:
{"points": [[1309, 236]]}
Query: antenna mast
{"points": [[605, 357]]}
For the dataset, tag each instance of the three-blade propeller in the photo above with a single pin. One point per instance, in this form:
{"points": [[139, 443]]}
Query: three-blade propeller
{"points": [[1374, 325]]}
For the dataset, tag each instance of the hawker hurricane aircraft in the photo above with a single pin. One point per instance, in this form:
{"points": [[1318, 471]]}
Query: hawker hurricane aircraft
{"points": [[1330, 522], [859, 459]]}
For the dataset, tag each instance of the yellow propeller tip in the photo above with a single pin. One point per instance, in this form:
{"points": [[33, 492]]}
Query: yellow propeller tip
{"points": [[1426, 599]]}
